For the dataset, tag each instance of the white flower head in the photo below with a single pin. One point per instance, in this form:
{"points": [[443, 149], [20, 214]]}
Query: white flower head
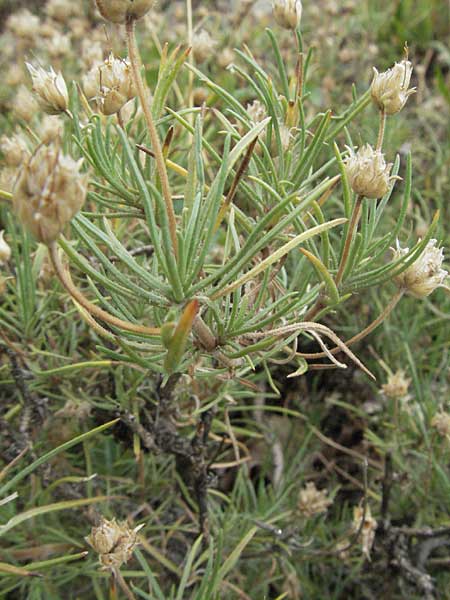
{"points": [[390, 89], [312, 501], [50, 89], [287, 13], [425, 274], [111, 84], [367, 172]]}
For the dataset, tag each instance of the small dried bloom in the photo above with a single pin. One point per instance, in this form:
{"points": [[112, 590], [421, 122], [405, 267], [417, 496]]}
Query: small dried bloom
{"points": [[61, 10], [425, 274], [368, 529], [50, 129], [256, 111], [50, 89], [14, 149], [390, 89], [91, 53], [441, 422], [25, 106], [120, 11], [397, 385], [312, 501], [203, 46], [367, 172], [287, 13], [58, 45], [111, 84], [24, 24], [48, 192], [114, 542], [5, 250]]}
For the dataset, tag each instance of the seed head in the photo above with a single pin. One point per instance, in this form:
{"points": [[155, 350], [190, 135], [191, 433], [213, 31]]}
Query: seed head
{"points": [[312, 501], [5, 250], [62, 10], [397, 385], [367, 172], [114, 542], [111, 84], [120, 11], [425, 274], [390, 89], [48, 192], [50, 89], [287, 13]]}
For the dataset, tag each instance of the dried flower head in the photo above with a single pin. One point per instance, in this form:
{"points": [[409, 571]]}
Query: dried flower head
{"points": [[114, 542], [441, 422], [369, 527], [24, 24], [91, 53], [50, 89], [62, 10], [48, 192], [111, 84], [50, 129], [256, 111], [390, 89], [14, 149], [25, 106], [397, 385], [425, 274], [367, 172], [120, 11], [287, 13], [203, 46], [312, 501], [5, 250], [58, 45]]}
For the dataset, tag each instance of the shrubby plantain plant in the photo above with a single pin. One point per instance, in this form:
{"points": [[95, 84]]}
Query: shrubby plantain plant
{"points": [[208, 242]]}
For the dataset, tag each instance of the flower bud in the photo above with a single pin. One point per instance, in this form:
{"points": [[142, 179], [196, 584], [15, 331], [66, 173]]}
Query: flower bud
{"points": [[287, 13], [390, 89], [111, 84], [114, 542], [50, 89], [5, 250], [48, 192], [425, 274], [120, 11], [368, 173]]}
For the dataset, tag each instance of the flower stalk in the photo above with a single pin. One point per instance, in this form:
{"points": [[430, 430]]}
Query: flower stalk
{"points": [[142, 93]]}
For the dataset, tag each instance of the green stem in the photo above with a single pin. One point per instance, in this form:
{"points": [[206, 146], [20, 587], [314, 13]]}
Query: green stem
{"points": [[142, 93]]}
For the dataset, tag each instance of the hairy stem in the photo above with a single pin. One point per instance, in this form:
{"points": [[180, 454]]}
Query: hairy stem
{"points": [[142, 93], [93, 309], [123, 585], [348, 240]]}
